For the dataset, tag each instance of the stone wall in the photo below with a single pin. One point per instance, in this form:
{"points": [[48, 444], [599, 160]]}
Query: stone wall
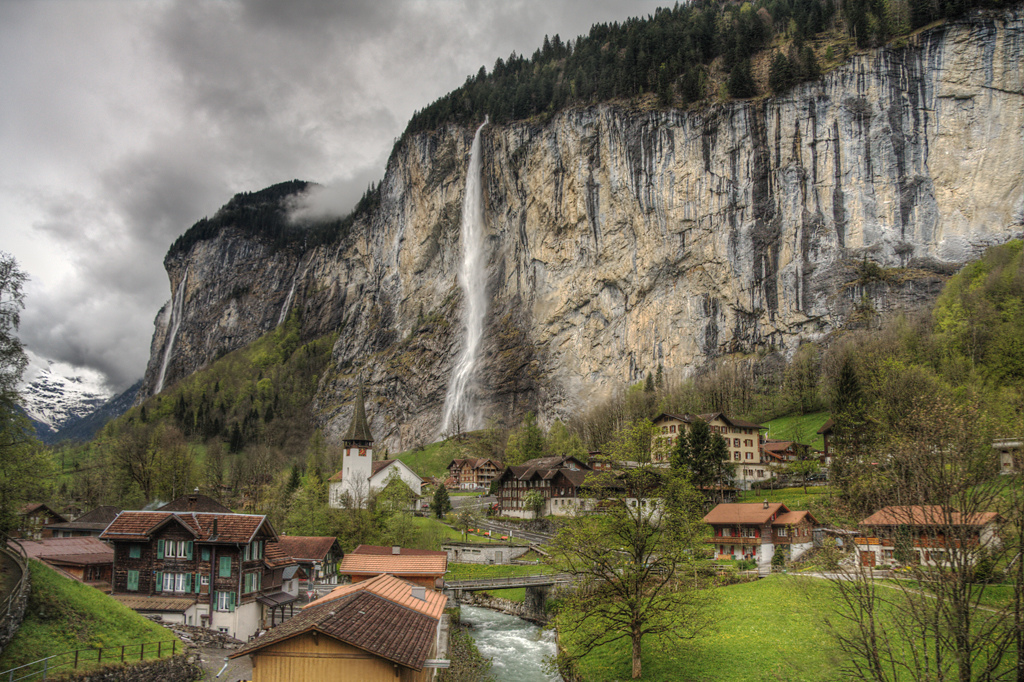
{"points": [[181, 668], [11, 620], [203, 637]]}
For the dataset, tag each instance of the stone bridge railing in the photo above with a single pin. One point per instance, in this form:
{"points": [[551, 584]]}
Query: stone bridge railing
{"points": [[508, 583]]}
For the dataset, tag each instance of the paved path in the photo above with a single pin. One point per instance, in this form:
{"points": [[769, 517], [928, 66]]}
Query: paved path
{"points": [[539, 538], [213, 660]]}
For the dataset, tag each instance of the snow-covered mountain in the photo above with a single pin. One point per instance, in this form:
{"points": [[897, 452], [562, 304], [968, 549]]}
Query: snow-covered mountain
{"points": [[54, 394]]}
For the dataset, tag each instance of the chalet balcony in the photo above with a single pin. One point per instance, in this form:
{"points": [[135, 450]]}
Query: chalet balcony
{"points": [[734, 541], [920, 543]]}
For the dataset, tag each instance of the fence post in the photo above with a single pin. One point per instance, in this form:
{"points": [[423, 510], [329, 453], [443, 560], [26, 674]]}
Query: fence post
{"points": [[46, 666], [142, 651], [122, 653], [159, 648], [76, 659]]}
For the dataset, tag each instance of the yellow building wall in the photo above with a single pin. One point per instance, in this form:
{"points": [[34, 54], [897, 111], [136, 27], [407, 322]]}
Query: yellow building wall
{"points": [[305, 657]]}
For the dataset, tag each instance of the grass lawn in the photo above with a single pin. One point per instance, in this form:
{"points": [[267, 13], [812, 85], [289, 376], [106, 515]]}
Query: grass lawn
{"points": [[767, 630], [794, 498], [430, 461], [801, 428], [64, 615], [431, 527]]}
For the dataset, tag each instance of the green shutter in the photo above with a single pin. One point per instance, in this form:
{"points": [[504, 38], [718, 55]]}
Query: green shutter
{"points": [[231, 601], [188, 582], [159, 582], [133, 581], [205, 553], [225, 567], [134, 551], [159, 549], [188, 550]]}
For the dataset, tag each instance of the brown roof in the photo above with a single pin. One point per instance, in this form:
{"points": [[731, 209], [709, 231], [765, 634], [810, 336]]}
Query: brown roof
{"points": [[305, 547], [401, 565], [103, 514], [364, 620], [147, 603], [34, 507], [380, 550], [393, 589], [274, 556], [744, 512], [827, 426], [932, 515], [98, 558], [139, 525], [65, 546], [197, 503], [708, 417], [793, 518], [776, 445]]}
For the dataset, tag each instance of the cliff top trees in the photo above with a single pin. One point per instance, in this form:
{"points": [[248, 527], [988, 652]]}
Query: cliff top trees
{"points": [[634, 563]]}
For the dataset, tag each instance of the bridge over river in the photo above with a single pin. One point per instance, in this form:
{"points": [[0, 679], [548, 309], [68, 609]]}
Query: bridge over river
{"points": [[536, 588]]}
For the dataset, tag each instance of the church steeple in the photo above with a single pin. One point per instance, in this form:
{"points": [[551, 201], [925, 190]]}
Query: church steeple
{"points": [[359, 430]]}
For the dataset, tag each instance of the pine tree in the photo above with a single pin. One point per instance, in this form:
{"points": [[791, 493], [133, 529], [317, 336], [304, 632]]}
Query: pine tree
{"points": [[442, 504]]}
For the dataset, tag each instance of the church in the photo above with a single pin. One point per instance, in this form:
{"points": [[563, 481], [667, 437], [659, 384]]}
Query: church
{"points": [[360, 473]]}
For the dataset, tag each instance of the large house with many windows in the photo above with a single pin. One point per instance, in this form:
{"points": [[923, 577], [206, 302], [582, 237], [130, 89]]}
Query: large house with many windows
{"points": [[933, 532], [757, 530], [196, 568], [473, 472], [743, 439], [557, 479]]}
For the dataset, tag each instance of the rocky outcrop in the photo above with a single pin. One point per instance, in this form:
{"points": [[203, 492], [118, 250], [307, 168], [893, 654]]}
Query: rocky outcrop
{"points": [[621, 240]]}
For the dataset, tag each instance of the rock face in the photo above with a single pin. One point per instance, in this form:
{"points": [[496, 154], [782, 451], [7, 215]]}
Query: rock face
{"points": [[620, 240]]}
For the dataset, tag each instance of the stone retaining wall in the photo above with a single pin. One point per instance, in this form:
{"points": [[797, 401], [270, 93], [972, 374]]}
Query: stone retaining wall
{"points": [[11, 621], [181, 668], [203, 637]]}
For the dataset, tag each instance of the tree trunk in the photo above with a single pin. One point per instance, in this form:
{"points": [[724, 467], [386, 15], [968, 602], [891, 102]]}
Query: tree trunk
{"points": [[636, 655]]}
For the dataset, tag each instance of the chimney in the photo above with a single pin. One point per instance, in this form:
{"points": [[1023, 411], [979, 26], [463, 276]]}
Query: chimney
{"points": [[396, 550], [419, 592], [214, 533], [766, 503]]}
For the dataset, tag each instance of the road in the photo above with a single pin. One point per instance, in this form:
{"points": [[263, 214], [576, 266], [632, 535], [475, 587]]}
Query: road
{"points": [[538, 538]]}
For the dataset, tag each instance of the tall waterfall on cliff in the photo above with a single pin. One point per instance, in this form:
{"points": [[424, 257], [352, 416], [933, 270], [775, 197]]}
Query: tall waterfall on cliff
{"points": [[291, 294], [459, 404], [177, 306]]}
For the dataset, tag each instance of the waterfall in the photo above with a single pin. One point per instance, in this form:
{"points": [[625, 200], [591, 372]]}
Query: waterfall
{"points": [[177, 306], [459, 403], [291, 294]]}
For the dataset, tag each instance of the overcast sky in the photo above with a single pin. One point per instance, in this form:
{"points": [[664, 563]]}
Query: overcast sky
{"points": [[122, 123]]}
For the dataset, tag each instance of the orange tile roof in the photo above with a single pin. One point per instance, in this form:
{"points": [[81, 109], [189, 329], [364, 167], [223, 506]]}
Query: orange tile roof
{"points": [[744, 512], [371, 564], [926, 515], [393, 589], [794, 517], [389, 551]]}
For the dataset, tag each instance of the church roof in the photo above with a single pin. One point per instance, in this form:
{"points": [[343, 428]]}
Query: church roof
{"points": [[359, 430]]}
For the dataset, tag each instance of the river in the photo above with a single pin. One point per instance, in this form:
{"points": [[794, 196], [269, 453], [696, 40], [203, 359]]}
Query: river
{"points": [[517, 647]]}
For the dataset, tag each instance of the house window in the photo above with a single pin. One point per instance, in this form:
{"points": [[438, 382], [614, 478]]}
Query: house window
{"points": [[736, 442], [781, 532], [750, 455], [225, 601], [204, 580], [177, 582], [134, 551], [736, 456], [133, 581]]}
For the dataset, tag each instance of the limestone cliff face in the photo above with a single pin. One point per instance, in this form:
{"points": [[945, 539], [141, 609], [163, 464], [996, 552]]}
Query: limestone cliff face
{"points": [[619, 240]]}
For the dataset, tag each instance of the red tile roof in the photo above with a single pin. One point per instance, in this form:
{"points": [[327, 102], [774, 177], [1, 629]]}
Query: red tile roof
{"points": [[234, 528], [401, 565], [933, 515], [389, 551], [793, 518], [365, 620], [306, 548]]}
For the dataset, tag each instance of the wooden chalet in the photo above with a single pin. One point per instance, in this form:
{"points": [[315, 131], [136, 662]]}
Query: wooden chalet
{"points": [[558, 479]]}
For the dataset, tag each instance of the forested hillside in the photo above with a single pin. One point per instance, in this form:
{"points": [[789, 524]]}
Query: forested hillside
{"points": [[693, 52]]}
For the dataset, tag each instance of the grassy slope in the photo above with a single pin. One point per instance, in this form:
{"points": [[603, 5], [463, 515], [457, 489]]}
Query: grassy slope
{"points": [[64, 615], [767, 630], [801, 428]]}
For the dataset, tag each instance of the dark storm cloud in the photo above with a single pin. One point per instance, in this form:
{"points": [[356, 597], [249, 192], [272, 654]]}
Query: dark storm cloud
{"points": [[125, 122]]}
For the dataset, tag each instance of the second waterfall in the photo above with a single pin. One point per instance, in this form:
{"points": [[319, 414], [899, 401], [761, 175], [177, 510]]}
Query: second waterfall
{"points": [[460, 409]]}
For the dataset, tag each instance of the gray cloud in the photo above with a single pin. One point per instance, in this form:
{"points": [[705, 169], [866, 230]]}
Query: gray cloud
{"points": [[124, 123]]}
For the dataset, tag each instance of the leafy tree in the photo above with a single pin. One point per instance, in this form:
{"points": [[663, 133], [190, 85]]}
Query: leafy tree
{"points": [[308, 512], [12, 354], [903, 545], [804, 468], [464, 521], [635, 564], [635, 443], [442, 504], [563, 443], [534, 501]]}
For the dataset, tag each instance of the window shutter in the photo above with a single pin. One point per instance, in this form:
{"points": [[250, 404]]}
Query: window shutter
{"points": [[133, 581], [159, 549], [231, 601], [197, 582], [188, 582], [134, 551], [188, 549], [159, 582], [205, 553], [225, 567]]}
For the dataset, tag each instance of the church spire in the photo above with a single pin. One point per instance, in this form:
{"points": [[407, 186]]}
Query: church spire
{"points": [[359, 429]]}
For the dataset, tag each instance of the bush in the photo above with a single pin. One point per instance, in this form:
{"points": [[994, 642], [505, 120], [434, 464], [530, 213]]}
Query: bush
{"points": [[747, 564]]}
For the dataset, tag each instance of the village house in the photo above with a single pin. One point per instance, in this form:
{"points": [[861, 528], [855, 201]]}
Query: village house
{"points": [[473, 473], [35, 522], [826, 432], [782, 451], [742, 438], [83, 558], [381, 629], [558, 479], [933, 532], [420, 566], [195, 568], [92, 523], [756, 530], [360, 475], [317, 556]]}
